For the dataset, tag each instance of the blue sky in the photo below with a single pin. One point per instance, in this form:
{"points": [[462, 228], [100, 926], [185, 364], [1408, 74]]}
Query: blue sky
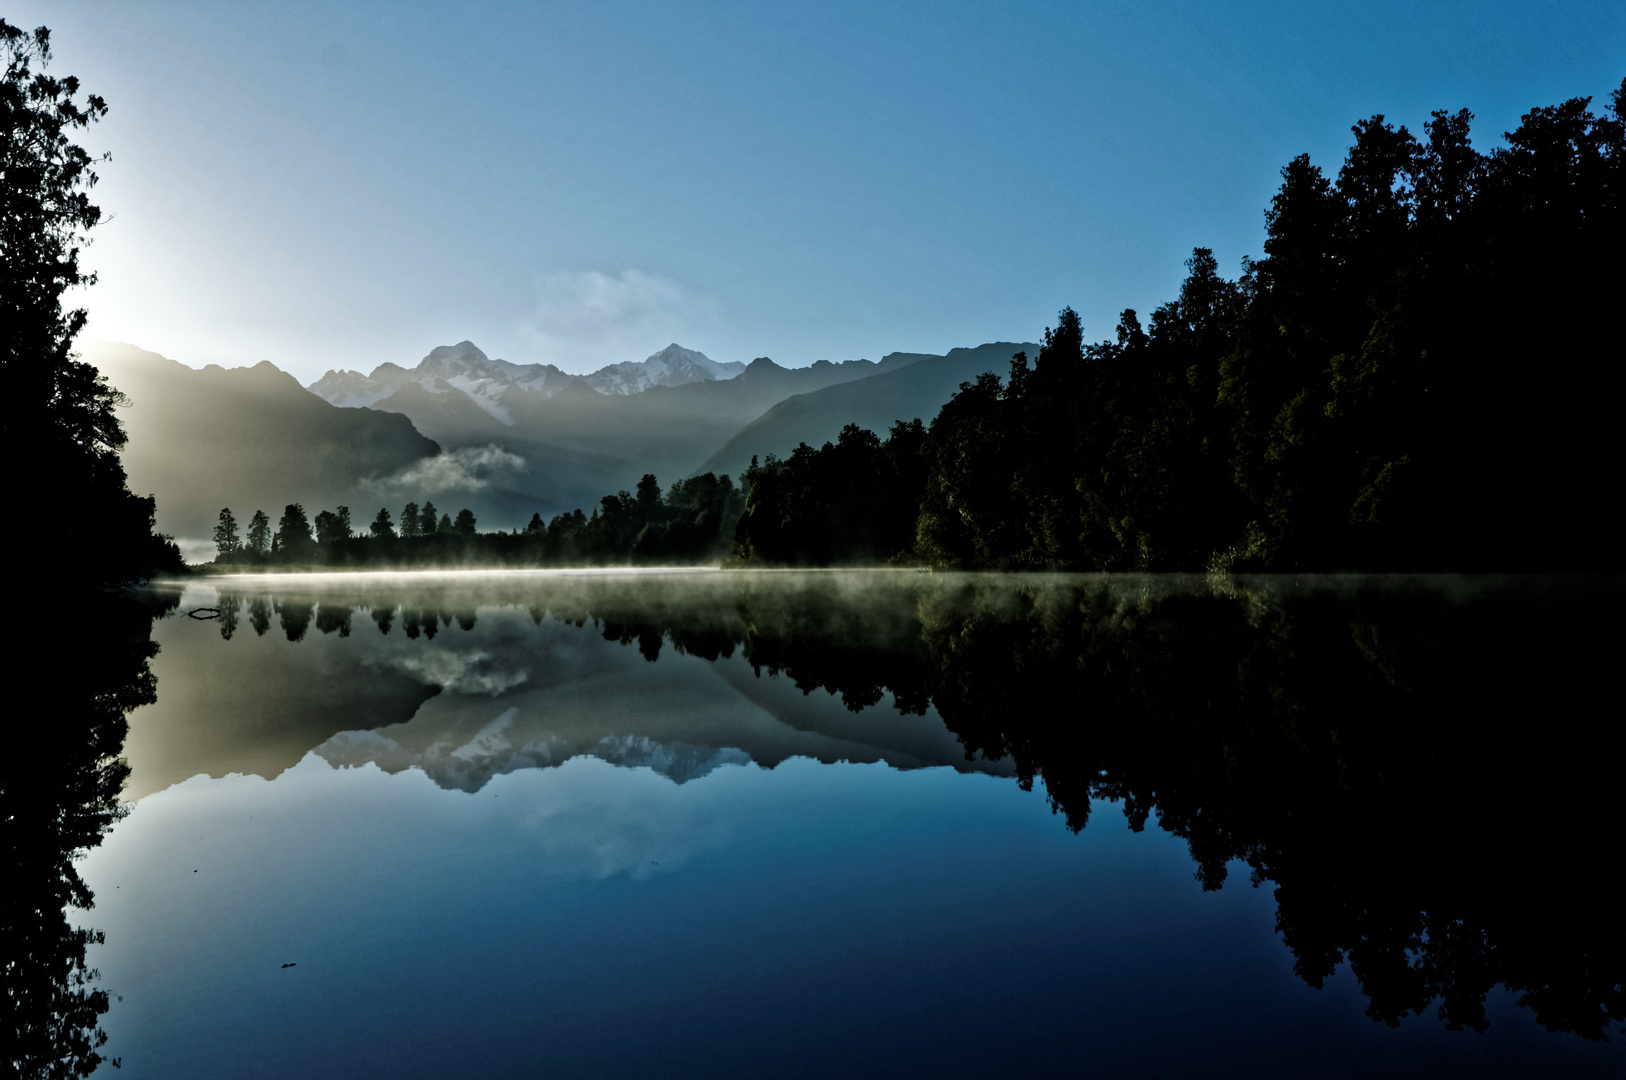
{"points": [[337, 185]]}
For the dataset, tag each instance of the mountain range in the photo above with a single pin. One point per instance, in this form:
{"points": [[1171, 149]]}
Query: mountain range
{"points": [[504, 389], [521, 691], [502, 438]]}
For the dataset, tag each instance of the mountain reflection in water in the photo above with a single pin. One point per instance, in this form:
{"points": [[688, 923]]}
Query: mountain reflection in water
{"points": [[1420, 768]]}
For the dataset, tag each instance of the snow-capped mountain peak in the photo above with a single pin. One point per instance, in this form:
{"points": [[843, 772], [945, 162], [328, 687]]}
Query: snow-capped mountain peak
{"points": [[461, 368], [672, 366]]}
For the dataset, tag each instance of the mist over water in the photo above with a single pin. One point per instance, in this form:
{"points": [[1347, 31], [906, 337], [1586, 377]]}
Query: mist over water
{"points": [[803, 823]]}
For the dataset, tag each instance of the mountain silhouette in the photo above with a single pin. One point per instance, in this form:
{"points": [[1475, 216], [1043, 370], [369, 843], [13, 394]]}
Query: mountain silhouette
{"points": [[253, 438], [912, 385], [250, 438]]}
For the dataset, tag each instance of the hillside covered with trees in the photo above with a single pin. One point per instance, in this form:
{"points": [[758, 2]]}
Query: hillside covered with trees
{"points": [[1421, 373]]}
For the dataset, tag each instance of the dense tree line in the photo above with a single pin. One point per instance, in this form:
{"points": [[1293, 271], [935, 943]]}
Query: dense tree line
{"points": [[854, 501], [1422, 372], [692, 522]]}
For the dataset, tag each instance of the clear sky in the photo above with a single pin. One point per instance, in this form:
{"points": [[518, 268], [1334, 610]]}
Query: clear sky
{"points": [[336, 185]]}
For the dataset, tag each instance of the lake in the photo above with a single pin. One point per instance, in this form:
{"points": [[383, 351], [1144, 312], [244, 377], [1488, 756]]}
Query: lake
{"points": [[704, 823]]}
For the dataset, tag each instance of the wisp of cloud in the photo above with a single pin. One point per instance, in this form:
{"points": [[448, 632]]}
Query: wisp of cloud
{"points": [[468, 469]]}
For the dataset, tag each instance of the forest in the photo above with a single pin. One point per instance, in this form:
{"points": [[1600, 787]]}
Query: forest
{"points": [[1420, 373]]}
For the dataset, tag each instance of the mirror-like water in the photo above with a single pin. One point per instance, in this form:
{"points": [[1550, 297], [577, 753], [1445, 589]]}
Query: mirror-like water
{"points": [[799, 824]]}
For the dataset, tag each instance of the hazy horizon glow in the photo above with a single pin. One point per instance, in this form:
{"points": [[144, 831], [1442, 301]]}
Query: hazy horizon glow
{"points": [[336, 187]]}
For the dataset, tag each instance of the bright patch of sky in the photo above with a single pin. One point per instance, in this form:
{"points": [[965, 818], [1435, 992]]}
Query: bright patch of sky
{"points": [[335, 186]]}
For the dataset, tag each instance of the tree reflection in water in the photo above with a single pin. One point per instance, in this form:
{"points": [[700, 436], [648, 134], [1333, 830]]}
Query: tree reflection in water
{"points": [[1421, 776], [56, 802], [1416, 766]]}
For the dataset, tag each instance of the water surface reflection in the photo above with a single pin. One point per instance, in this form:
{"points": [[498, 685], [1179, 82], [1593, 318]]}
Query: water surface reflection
{"points": [[1411, 771]]}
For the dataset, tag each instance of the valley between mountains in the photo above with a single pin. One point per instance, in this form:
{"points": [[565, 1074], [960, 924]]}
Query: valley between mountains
{"points": [[505, 440]]}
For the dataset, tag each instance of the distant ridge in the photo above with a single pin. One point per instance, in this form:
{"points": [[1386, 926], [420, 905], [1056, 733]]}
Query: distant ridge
{"points": [[248, 438], [672, 366], [253, 438], [906, 386], [454, 372], [664, 414]]}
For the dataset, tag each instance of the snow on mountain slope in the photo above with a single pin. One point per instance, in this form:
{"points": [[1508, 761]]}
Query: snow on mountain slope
{"points": [[672, 366], [493, 385]]}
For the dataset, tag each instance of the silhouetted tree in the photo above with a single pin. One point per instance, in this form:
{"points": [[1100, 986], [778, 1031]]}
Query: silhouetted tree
{"points": [[428, 520], [59, 411], [227, 544], [259, 534], [409, 520], [464, 525], [330, 526], [293, 537], [1387, 388], [852, 501], [381, 528]]}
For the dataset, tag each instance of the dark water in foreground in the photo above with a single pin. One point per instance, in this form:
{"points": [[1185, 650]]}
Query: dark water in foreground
{"points": [[782, 824]]}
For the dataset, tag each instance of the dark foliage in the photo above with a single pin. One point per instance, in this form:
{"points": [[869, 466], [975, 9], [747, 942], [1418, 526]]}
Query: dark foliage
{"points": [[56, 801], [1421, 373], [853, 501], [59, 411], [690, 524], [1372, 753]]}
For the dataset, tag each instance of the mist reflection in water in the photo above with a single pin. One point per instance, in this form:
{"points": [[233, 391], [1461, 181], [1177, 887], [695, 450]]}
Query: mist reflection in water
{"points": [[1340, 740]]}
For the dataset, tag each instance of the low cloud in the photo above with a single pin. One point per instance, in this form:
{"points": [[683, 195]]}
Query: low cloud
{"points": [[465, 672], [585, 319], [468, 469]]}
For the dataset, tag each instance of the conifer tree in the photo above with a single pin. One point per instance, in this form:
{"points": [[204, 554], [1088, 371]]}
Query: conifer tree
{"points": [[259, 534], [227, 543], [293, 537]]}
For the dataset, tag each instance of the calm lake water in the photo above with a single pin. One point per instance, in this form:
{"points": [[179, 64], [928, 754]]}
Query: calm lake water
{"points": [[709, 824]]}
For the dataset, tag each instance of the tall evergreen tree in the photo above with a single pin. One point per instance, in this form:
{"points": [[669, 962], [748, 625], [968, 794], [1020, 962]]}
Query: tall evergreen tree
{"points": [[259, 534], [227, 543], [293, 537]]}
